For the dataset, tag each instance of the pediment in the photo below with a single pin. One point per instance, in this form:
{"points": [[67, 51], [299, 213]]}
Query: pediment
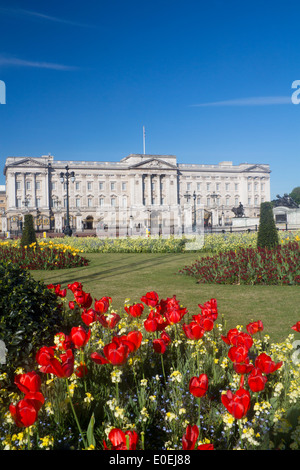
{"points": [[26, 161], [154, 163], [257, 167]]}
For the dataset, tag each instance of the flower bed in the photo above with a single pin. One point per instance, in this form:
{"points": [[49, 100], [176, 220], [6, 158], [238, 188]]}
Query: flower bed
{"points": [[125, 245], [250, 266], [41, 256], [152, 376]]}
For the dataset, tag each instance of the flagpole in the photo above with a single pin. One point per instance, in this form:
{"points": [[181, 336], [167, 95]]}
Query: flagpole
{"points": [[144, 143]]}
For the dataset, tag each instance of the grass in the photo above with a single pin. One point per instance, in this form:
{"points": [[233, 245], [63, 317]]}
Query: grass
{"points": [[131, 275]]}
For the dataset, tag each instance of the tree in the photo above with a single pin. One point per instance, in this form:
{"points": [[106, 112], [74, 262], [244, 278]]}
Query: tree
{"points": [[295, 194], [28, 235], [267, 232]]}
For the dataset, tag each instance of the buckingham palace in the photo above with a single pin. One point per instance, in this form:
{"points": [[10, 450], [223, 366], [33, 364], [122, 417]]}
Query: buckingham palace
{"points": [[137, 195]]}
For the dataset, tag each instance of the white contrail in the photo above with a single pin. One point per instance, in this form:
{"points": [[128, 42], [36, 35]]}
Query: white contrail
{"points": [[253, 101], [15, 61]]}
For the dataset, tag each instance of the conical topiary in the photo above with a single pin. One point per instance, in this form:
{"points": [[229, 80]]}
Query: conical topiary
{"points": [[28, 235], [267, 232]]}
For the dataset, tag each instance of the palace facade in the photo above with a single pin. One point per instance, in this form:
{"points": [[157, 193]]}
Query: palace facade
{"points": [[137, 194]]}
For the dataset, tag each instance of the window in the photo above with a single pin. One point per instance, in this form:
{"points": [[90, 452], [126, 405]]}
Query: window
{"points": [[18, 185], [227, 201], [255, 186], [227, 186], [124, 201], [90, 186], [65, 202], [208, 186], [77, 186], [123, 186], [18, 202], [27, 184], [198, 186], [188, 186], [262, 186], [112, 186], [101, 201], [53, 186], [236, 201], [199, 200], [217, 186], [249, 186], [101, 184], [38, 202], [90, 202], [249, 201], [208, 201], [236, 186], [113, 202], [256, 201], [37, 185], [77, 202]]}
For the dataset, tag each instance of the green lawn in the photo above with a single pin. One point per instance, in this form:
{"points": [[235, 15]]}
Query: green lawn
{"points": [[122, 276]]}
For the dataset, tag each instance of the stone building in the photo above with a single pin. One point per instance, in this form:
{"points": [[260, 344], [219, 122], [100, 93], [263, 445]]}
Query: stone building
{"points": [[138, 194]]}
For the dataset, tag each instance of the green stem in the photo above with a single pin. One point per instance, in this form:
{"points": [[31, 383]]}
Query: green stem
{"points": [[28, 439], [75, 416], [162, 365]]}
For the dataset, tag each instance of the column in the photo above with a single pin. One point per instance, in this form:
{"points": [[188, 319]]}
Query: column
{"points": [[149, 181], [159, 177]]}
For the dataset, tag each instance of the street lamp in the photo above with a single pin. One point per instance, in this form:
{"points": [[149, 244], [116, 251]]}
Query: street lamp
{"points": [[66, 176]]}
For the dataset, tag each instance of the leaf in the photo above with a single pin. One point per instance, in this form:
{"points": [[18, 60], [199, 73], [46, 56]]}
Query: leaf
{"points": [[90, 432]]}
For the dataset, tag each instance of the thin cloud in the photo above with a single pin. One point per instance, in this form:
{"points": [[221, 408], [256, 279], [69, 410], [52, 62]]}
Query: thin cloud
{"points": [[16, 62], [253, 101], [42, 16]]}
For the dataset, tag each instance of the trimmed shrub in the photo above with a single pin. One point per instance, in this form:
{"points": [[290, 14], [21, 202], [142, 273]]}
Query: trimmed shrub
{"points": [[267, 233], [28, 235], [29, 313]]}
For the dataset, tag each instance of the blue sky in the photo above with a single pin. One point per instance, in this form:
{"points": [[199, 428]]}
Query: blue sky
{"points": [[209, 80]]}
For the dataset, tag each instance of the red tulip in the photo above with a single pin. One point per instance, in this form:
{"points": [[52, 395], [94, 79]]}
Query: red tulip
{"points": [[237, 404], [243, 367], [62, 367], [175, 315], [135, 310], [81, 370], [256, 380], [210, 308], [296, 327], [133, 340], [121, 440], [89, 316], [254, 327], [79, 336], [198, 386], [159, 346], [193, 330], [238, 354], [115, 353], [109, 321], [63, 342], [58, 291], [24, 413], [266, 365], [165, 337], [75, 286], [102, 305], [83, 299], [206, 322], [150, 298], [205, 447], [29, 382], [230, 336], [190, 437], [154, 322]]}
